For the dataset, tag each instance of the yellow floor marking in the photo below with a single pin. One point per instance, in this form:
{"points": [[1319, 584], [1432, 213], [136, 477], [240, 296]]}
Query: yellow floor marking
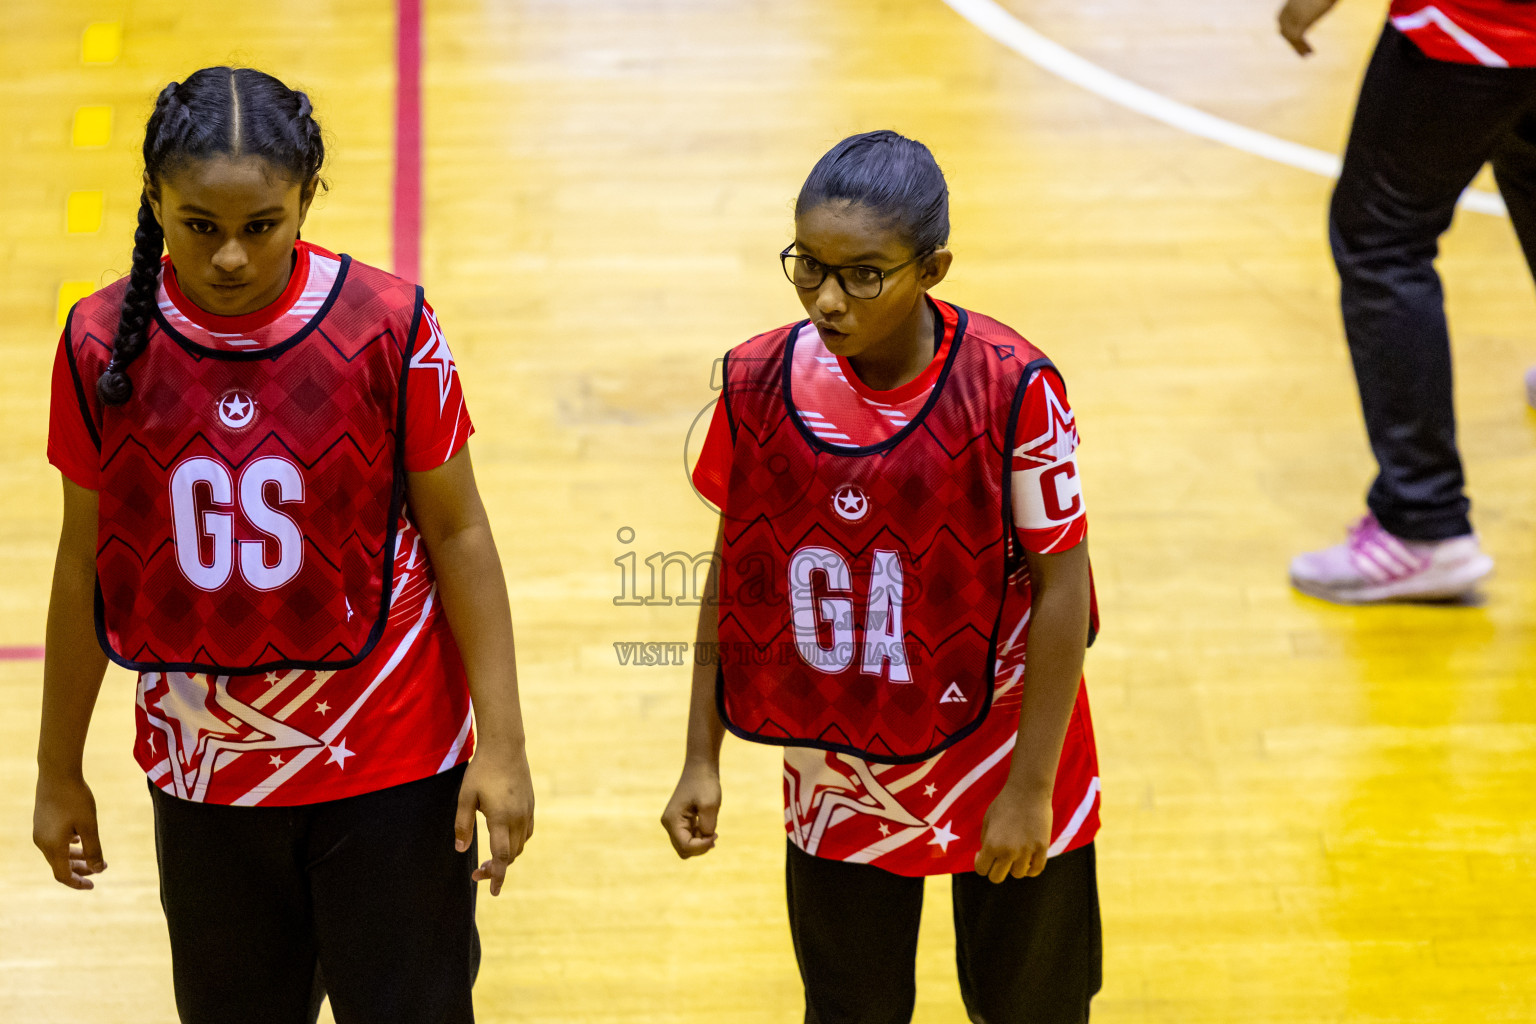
{"points": [[93, 127], [101, 42]]}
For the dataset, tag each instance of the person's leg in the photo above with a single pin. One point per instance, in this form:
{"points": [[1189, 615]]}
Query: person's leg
{"points": [[394, 905], [1514, 165], [1422, 130], [855, 932], [1029, 950], [237, 907]]}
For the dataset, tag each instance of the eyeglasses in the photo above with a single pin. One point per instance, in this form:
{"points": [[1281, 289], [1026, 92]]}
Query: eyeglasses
{"points": [[857, 281]]}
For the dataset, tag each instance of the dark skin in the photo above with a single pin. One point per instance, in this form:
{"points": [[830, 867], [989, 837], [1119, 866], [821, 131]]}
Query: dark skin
{"points": [[236, 220], [888, 341], [1297, 17], [230, 224]]}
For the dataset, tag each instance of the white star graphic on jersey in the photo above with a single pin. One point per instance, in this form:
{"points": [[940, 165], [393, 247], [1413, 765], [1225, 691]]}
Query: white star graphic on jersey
{"points": [[322, 707], [850, 503], [437, 357], [236, 410], [885, 829], [339, 753], [942, 836], [1058, 441], [151, 743], [829, 798], [185, 703], [276, 760], [199, 734], [930, 789], [272, 678]]}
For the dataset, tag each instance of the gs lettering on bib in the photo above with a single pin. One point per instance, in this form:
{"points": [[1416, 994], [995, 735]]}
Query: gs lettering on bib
{"points": [[249, 500], [862, 588]]}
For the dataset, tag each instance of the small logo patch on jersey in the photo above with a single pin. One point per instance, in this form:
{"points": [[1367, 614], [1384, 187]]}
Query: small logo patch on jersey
{"points": [[236, 409], [849, 502], [953, 695]]}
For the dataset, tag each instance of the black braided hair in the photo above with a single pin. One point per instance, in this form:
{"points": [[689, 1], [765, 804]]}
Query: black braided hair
{"points": [[213, 112]]}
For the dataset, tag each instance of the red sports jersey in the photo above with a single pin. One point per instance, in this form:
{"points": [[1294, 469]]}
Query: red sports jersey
{"points": [[249, 498], [300, 736], [1493, 33], [925, 818], [862, 587]]}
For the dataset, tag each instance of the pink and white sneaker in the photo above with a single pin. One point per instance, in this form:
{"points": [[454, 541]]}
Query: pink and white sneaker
{"points": [[1372, 565]]}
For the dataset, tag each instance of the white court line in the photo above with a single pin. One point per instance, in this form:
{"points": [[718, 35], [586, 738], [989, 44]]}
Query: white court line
{"points": [[1002, 26]]}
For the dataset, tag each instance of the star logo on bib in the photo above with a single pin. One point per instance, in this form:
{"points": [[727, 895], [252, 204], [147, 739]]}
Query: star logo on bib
{"points": [[850, 503], [236, 409]]}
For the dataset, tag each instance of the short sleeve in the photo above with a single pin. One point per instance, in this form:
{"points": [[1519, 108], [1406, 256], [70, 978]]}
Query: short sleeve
{"points": [[1048, 507], [436, 420], [72, 445], [712, 472]]}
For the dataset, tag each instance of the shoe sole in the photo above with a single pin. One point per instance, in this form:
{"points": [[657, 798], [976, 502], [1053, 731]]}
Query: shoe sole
{"points": [[1447, 586]]}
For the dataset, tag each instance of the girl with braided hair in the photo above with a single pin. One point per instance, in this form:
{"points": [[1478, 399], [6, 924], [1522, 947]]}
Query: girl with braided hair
{"points": [[270, 515]]}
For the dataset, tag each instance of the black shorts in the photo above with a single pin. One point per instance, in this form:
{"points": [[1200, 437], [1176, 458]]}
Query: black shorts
{"points": [[363, 899], [1029, 950]]}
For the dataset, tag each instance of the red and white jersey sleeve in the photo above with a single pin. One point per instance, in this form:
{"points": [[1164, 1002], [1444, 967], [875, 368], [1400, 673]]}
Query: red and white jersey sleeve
{"points": [[73, 448], [1048, 509], [301, 737], [925, 818], [1493, 33], [436, 421]]}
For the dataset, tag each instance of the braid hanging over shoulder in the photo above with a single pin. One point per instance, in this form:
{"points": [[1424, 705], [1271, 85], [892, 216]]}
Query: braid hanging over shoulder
{"points": [[114, 387]]}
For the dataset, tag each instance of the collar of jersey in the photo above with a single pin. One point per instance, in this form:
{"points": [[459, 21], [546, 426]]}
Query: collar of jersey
{"points": [[948, 339], [281, 305], [944, 320], [246, 322]]}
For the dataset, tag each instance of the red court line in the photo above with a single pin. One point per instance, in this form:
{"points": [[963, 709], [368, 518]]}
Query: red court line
{"points": [[21, 653], [407, 220]]}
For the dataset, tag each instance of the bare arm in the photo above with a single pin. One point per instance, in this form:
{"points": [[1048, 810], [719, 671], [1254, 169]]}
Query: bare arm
{"points": [[1016, 833], [64, 813], [1297, 17], [694, 809], [445, 505]]}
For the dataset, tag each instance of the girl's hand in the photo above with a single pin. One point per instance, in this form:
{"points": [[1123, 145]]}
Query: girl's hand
{"points": [[693, 810], [1015, 834], [64, 828], [1297, 16], [499, 785]]}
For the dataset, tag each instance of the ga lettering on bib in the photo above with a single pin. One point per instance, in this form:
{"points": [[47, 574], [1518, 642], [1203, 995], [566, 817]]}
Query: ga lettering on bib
{"points": [[862, 588]]}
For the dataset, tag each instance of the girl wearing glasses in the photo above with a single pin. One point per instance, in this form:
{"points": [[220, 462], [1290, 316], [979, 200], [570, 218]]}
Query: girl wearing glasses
{"points": [[901, 519]]}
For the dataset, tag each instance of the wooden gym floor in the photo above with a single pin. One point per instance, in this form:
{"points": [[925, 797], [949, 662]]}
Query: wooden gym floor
{"points": [[1311, 814]]}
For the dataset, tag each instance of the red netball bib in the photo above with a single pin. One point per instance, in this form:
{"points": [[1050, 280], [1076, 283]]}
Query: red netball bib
{"points": [[862, 588], [249, 500]]}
